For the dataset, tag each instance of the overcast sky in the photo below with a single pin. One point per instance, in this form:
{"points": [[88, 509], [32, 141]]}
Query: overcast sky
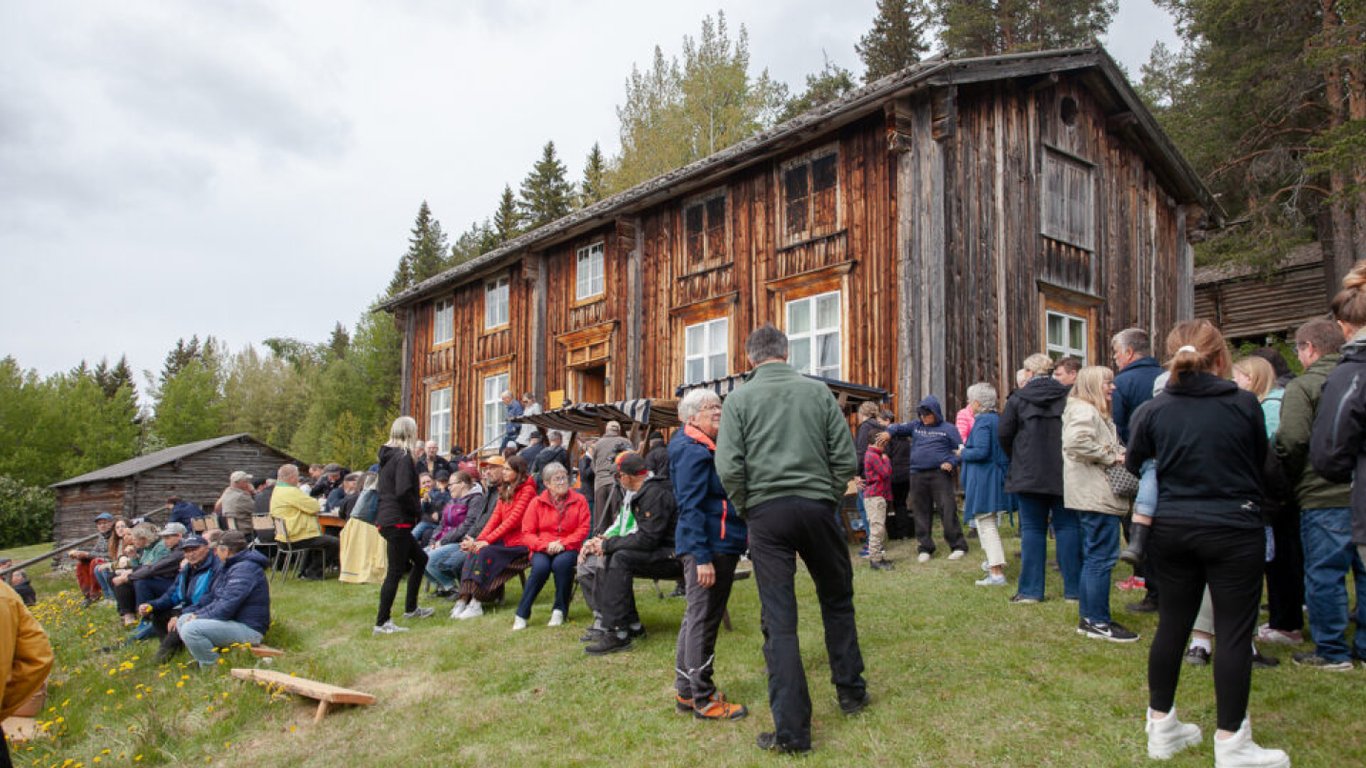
{"points": [[251, 169]]}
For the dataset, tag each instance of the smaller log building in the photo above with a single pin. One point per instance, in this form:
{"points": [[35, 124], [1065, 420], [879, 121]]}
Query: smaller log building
{"points": [[197, 472], [1252, 305]]}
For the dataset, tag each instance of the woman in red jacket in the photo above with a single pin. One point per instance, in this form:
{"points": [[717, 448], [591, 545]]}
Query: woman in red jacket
{"points": [[554, 529], [500, 544]]}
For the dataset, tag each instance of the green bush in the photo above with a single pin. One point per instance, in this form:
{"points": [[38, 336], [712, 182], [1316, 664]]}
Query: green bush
{"points": [[25, 513]]}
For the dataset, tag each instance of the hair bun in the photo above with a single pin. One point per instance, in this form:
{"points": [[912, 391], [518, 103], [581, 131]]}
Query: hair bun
{"points": [[1356, 278]]}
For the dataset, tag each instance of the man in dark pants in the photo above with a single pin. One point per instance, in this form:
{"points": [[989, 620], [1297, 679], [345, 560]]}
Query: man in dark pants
{"points": [[1136, 371], [785, 457], [934, 454]]}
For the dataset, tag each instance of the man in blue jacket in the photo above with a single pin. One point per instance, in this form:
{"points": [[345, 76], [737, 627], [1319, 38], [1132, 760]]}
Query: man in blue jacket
{"points": [[237, 609], [934, 454], [1136, 370], [191, 586]]}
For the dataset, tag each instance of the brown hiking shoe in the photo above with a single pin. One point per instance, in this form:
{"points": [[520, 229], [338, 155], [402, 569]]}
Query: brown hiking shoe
{"points": [[717, 708], [682, 705]]}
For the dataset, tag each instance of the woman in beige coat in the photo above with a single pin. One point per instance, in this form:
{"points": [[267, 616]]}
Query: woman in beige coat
{"points": [[1090, 445]]}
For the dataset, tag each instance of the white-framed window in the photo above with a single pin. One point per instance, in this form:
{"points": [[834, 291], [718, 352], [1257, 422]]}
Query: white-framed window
{"points": [[443, 321], [496, 302], [704, 228], [589, 282], [1064, 335], [1069, 200], [809, 191], [495, 413], [439, 418], [706, 350], [813, 334]]}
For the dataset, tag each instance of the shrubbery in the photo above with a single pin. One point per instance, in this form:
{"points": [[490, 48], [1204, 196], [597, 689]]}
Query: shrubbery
{"points": [[25, 513]]}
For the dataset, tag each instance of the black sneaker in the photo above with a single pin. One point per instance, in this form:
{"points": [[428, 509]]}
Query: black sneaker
{"points": [[854, 703], [1024, 600], [768, 741], [1262, 661], [1146, 605], [1311, 659], [610, 642], [591, 634], [1112, 631], [881, 565], [1196, 656]]}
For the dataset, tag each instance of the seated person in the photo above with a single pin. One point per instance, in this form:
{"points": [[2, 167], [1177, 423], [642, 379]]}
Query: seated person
{"points": [[189, 590], [146, 547], [553, 453], [433, 506], [120, 542], [499, 544], [158, 571], [183, 512], [300, 515], [329, 478], [88, 559], [432, 462], [445, 558], [649, 552], [554, 527], [237, 608], [19, 581], [535, 444], [237, 502], [337, 497]]}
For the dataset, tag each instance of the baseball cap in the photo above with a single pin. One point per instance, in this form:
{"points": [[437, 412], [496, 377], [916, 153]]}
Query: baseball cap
{"points": [[104, 516], [631, 463], [239, 476], [495, 461], [192, 541], [172, 529]]}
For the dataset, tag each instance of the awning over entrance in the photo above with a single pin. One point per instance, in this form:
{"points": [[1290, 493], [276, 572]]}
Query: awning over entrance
{"points": [[849, 395], [590, 417]]}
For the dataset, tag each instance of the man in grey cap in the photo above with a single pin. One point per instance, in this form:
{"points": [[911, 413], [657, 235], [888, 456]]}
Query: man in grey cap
{"points": [[331, 477], [236, 503], [157, 575]]}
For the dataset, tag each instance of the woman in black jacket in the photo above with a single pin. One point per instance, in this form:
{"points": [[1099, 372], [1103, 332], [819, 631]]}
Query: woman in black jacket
{"points": [[1208, 438], [399, 508]]}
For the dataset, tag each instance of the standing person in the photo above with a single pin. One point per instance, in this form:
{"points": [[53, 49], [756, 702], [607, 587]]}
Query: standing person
{"points": [[1209, 441], [1138, 370], [934, 454], [899, 522], [605, 452], [869, 425], [984, 477], [511, 410], [1066, 369], [710, 539], [530, 407], [1090, 445], [1031, 435], [25, 657], [1325, 506], [877, 494], [431, 461], [399, 508], [784, 456]]}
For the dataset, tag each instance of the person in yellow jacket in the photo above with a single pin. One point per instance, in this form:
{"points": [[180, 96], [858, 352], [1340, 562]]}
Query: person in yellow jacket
{"points": [[25, 655], [299, 512]]}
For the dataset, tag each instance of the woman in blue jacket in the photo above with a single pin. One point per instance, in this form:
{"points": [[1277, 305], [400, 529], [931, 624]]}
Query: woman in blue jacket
{"points": [[984, 479]]}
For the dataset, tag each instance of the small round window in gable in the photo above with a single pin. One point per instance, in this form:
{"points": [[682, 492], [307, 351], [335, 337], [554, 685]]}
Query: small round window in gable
{"points": [[1067, 110]]}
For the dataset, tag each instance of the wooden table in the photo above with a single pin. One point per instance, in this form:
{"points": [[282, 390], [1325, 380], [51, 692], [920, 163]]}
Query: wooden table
{"points": [[331, 521]]}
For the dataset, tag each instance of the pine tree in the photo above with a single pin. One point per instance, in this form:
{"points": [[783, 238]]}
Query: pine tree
{"points": [[594, 185], [546, 194], [832, 82], [339, 342], [992, 27], [507, 220], [897, 39], [427, 254]]}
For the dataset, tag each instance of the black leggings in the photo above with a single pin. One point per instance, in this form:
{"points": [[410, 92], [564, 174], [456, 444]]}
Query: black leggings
{"points": [[1230, 561], [405, 556]]}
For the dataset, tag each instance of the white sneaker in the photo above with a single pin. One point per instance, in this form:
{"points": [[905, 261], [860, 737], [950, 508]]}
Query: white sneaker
{"points": [[556, 618], [957, 554], [1168, 736], [923, 557], [518, 623], [420, 613], [986, 567], [389, 628], [991, 581], [472, 611], [1240, 751], [459, 608]]}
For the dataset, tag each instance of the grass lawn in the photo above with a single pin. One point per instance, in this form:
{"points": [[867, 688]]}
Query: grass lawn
{"points": [[958, 676]]}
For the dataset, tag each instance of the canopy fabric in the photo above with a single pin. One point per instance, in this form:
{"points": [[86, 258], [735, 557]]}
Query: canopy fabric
{"points": [[590, 417], [849, 395]]}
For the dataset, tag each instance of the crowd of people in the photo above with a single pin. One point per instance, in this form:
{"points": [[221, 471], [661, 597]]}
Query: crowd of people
{"points": [[1216, 478]]}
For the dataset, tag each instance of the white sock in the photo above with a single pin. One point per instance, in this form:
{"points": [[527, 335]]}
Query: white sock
{"points": [[1201, 642]]}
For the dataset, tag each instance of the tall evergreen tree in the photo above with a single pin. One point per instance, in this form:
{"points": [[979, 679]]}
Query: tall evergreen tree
{"points": [[427, 254], [832, 82], [507, 220], [897, 39], [594, 185], [546, 193], [991, 27]]}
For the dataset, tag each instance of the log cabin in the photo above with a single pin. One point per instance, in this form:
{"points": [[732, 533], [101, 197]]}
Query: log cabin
{"points": [[922, 233], [1258, 306]]}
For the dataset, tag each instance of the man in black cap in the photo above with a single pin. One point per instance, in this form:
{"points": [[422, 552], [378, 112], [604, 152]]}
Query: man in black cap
{"points": [[331, 476], [87, 559], [186, 593]]}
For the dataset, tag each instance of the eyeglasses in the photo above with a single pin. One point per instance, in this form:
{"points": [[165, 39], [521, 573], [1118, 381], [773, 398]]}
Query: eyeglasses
{"points": [[561, 480]]}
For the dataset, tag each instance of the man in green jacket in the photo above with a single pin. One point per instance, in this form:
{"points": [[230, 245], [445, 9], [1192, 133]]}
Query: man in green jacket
{"points": [[785, 456], [1325, 516]]}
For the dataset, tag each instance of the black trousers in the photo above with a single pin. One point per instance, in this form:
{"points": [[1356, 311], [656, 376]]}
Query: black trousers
{"points": [[900, 525], [319, 549], [1229, 560], [170, 641], [615, 594], [4, 752], [930, 489], [780, 530], [405, 556], [696, 652], [1285, 573]]}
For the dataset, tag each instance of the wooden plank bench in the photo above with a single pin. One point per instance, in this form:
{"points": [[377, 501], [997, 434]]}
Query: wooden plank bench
{"points": [[266, 652], [326, 695]]}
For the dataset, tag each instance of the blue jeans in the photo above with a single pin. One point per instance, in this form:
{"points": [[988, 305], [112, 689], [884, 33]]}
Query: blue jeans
{"points": [[423, 531], [1035, 511], [1099, 551], [444, 564], [1329, 558], [202, 636], [542, 565], [1145, 502], [105, 577], [862, 523]]}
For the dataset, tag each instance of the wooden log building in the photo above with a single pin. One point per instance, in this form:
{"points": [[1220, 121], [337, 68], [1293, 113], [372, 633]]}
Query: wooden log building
{"points": [[1253, 305], [922, 233], [197, 472]]}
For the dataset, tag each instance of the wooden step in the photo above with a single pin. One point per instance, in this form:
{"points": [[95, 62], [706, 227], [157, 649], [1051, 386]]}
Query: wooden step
{"points": [[325, 694]]}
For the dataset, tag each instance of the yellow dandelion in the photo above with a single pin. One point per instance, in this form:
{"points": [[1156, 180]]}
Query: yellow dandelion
{"points": [[109, 692], [180, 683], [105, 751], [60, 720], [137, 758]]}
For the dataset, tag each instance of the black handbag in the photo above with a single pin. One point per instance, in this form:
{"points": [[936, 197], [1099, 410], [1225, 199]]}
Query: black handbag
{"points": [[1123, 483]]}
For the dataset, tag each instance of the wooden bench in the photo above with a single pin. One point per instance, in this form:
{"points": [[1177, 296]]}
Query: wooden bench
{"points": [[325, 694], [266, 652]]}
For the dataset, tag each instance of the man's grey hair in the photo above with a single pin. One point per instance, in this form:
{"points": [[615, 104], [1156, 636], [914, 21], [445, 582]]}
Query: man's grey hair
{"points": [[553, 469], [984, 394], [766, 343], [288, 473], [613, 428], [693, 403], [1135, 340]]}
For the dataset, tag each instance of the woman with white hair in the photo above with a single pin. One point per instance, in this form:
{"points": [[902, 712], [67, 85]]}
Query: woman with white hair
{"points": [[984, 476], [399, 508], [553, 529]]}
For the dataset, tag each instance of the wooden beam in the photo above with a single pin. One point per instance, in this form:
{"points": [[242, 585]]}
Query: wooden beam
{"points": [[899, 125], [1034, 84], [538, 329], [635, 301], [944, 104], [1118, 122]]}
